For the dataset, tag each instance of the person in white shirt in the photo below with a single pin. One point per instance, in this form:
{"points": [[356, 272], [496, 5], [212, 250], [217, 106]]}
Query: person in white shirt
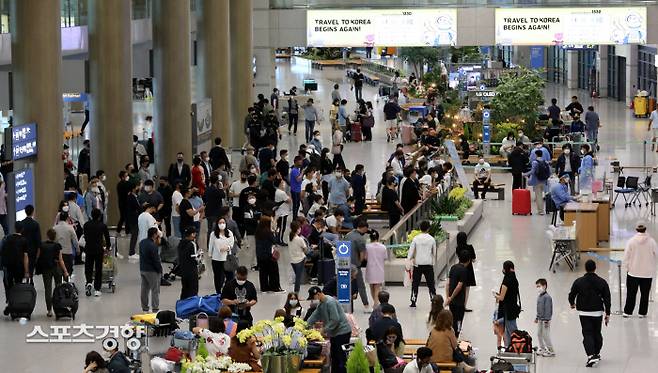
{"points": [[217, 341], [482, 177], [421, 364], [297, 248], [176, 199], [146, 221], [653, 126], [507, 145], [640, 263], [335, 221], [220, 244], [421, 254], [234, 192], [284, 208]]}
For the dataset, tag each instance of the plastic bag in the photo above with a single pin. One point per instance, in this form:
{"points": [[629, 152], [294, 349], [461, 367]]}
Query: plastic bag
{"points": [[160, 365]]}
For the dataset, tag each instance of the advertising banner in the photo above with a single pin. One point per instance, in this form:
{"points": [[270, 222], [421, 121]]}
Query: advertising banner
{"points": [[381, 27], [579, 26], [23, 141]]}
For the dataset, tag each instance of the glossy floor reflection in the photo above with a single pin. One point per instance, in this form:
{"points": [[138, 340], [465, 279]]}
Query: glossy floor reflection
{"points": [[631, 345]]}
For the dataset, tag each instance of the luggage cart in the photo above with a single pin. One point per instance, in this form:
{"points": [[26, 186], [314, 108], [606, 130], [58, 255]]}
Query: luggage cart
{"points": [[564, 246], [109, 272], [525, 362], [169, 255]]}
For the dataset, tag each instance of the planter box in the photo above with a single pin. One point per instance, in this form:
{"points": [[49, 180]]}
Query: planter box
{"points": [[471, 217]]}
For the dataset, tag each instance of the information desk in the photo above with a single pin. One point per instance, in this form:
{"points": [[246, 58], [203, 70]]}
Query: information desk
{"points": [[603, 216], [586, 217]]}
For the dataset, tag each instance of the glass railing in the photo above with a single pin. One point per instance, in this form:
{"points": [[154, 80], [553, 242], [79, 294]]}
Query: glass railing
{"points": [[315, 4]]}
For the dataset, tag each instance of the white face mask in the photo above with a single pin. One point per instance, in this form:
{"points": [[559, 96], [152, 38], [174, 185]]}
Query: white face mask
{"points": [[567, 151], [252, 170], [317, 137], [95, 190], [293, 302], [583, 151], [241, 282], [147, 188], [65, 209], [222, 225], [540, 289], [481, 161], [520, 134], [103, 178], [252, 201], [127, 178], [339, 174]]}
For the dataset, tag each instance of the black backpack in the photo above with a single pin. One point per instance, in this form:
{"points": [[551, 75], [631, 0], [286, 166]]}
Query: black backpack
{"points": [[543, 170]]}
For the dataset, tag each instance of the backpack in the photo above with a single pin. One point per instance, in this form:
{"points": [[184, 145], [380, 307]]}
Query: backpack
{"points": [[543, 171], [521, 342]]}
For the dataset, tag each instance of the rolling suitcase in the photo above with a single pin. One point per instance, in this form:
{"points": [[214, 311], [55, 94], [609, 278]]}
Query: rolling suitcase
{"points": [[65, 300], [327, 270], [521, 202], [21, 300], [355, 132]]}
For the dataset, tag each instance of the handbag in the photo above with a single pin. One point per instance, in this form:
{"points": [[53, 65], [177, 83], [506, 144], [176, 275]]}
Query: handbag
{"points": [[457, 354], [500, 365], [368, 122], [232, 263], [275, 254]]}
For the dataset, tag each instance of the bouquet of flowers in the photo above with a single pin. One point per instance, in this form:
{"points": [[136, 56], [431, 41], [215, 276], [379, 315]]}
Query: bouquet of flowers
{"points": [[213, 364]]}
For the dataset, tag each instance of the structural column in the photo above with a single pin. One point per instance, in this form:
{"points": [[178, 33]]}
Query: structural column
{"points": [[171, 83], [572, 69], [602, 70], [264, 48], [215, 63], [631, 72], [241, 66], [110, 54], [36, 64]]}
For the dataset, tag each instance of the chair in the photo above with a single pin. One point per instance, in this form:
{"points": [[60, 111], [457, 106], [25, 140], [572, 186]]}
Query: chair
{"points": [[626, 186], [643, 190]]}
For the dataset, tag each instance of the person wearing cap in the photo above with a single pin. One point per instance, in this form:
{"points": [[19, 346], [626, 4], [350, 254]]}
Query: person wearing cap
{"points": [[377, 331], [560, 194], [335, 326], [640, 264], [187, 264], [545, 154], [249, 162], [568, 163], [310, 116]]}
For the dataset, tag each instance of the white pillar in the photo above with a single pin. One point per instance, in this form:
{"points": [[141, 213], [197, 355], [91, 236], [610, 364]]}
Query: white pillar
{"points": [[264, 48], [631, 72], [602, 69], [572, 69]]}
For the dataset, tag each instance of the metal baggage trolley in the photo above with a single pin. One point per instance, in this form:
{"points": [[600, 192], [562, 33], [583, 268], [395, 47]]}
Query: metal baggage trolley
{"points": [[524, 362]]}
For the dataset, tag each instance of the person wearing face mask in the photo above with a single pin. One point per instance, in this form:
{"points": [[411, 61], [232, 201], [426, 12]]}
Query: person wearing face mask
{"points": [[482, 178], [267, 156], [205, 165], [92, 198], [144, 171], [522, 138], [390, 348], [567, 164], [410, 190], [180, 172], [133, 209], [240, 294], [292, 307], [339, 189], [334, 324], [316, 141], [117, 362], [518, 161], [586, 169], [250, 218], [220, 244], [218, 155], [84, 159], [249, 163], [150, 196], [543, 319], [234, 194], [123, 189], [283, 166], [139, 151], [545, 154], [165, 190], [188, 265], [198, 177], [104, 194], [297, 248], [507, 145]]}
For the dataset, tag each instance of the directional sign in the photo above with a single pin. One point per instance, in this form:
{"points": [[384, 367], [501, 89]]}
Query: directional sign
{"points": [[486, 126], [343, 269]]}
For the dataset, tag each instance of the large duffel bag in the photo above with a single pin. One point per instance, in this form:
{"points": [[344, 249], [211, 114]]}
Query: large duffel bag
{"points": [[188, 307], [65, 300]]}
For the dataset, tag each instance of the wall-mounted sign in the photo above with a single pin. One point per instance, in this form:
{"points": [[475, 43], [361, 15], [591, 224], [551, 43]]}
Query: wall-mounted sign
{"points": [[381, 27], [201, 125], [580, 26], [20, 192], [343, 270], [24, 141]]}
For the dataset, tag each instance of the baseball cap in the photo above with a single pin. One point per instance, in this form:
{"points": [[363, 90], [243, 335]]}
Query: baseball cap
{"points": [[640, 224], [313, 291]]}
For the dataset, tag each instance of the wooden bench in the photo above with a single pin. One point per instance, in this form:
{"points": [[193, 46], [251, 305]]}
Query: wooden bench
{"points": [[495, 188], [310, 370], [320, 64], [315, 363]]}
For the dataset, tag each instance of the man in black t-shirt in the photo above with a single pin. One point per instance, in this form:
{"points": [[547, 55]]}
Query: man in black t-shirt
{"points": [[240, 294], [186, 210], [456, 290], [358, 84], [508, 300]]}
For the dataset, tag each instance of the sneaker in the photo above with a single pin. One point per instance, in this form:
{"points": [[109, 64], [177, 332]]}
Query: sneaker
{"points": [[279, 291], [134, 257], [88, 289], [367, 309], [313, 281], [540, 351], [592, 360], [548, 353], [119, 256], [643, 316], [97, 293], [164, 282], [625, 315]]}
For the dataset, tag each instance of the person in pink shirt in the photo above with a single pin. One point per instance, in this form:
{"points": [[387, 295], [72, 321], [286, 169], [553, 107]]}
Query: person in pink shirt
{"points": [[376, 255]]}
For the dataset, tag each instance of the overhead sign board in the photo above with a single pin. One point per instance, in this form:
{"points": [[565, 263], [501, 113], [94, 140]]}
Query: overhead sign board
{"points": [[24, 141], [381, 27], [579, 26]]}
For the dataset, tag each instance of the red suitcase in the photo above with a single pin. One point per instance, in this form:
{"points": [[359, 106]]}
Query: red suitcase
{"points": [[355, 132], [521, 202]]}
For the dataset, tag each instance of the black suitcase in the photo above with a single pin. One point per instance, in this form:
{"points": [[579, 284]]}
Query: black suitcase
{"points": [[327, 270], [65, 300], [21, 301]]}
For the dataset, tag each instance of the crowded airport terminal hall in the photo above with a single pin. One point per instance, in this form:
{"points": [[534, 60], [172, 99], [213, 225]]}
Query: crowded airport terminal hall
{"points": [[328, 186]]}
